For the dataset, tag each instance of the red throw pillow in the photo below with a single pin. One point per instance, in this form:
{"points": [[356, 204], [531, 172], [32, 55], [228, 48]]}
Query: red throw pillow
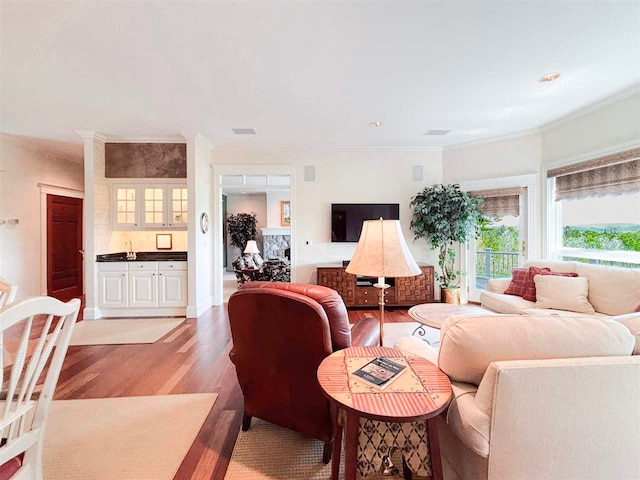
{"points": [[638, 309], [530, 293], [522, 281]]}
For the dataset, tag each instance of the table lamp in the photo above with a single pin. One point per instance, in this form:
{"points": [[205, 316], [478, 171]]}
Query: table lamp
{"points": [[252, 247], [382, 252]]}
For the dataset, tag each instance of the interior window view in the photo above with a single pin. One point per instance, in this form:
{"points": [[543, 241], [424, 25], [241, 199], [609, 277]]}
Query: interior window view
{"points": [[311, 240]]}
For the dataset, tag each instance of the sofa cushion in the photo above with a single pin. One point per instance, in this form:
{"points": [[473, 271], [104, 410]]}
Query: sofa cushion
{"points": [[612, 290], [467, 421], [521, 282], [563, 293], [502, 303], [564, 313], [468, 344], [530, 292], [632, 322]]}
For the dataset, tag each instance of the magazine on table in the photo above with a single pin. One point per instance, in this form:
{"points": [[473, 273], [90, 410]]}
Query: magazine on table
{"points": [[379, 372]]}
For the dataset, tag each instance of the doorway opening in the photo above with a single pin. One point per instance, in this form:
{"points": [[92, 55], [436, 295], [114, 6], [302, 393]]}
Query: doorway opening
{"points": [[269, 255]]}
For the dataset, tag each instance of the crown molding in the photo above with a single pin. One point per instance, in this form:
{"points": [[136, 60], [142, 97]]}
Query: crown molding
{"points": [[40, 149], [145, 139], [499, 138], [91, 134], [597, 105], [327, 150]]}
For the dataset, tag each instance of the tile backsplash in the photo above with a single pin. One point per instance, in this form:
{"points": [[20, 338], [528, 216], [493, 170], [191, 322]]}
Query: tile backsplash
{"points": [[144, 241]]}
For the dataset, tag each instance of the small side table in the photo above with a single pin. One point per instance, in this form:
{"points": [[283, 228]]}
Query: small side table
{"points": [[420, 393]]}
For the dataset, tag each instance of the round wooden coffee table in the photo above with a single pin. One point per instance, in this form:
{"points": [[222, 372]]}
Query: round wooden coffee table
{"points": [[420, 393]]}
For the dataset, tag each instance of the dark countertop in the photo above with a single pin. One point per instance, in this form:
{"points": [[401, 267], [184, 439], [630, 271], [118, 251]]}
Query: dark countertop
{"points": [[143, 257]]}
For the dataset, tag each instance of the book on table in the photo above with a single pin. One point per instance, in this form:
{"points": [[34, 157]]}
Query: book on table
{"points": [[379, 372]]}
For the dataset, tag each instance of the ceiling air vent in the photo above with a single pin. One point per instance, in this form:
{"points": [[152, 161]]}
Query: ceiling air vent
{"points": [[244, 131], [437, 132]]}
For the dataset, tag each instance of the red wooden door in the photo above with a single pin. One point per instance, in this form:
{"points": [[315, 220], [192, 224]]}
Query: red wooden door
{"points": [[64, 247]]}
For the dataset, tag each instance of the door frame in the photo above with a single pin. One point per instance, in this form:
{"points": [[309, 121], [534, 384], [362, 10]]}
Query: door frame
{"points": [[531, 217], [220, 170], [46, 189]]}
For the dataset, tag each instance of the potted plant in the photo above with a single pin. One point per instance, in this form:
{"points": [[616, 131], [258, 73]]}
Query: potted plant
{"points": [[444, 215], [241, 228]]}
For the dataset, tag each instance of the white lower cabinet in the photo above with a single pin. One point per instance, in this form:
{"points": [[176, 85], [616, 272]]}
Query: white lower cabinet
{"points": [[142, 288], [172, 289], [113, 289]]}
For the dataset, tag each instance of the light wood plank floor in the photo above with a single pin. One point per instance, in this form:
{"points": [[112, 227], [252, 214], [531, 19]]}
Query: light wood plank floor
{"points": [[192, 359]]}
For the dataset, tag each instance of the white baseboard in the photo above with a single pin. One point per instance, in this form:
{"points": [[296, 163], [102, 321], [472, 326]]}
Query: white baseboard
{"points": [[92, 313], [144, 312], [192, 312]]}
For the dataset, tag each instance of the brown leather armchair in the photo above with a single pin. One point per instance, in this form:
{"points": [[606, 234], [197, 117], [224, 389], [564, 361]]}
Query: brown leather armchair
{"points": [[281, 332]]}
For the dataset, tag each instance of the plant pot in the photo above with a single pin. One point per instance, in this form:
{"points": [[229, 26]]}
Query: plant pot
{"points": [[450, 295]]}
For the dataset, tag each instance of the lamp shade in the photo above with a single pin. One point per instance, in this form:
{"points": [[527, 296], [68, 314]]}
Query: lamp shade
{"points": [[252, 247], [382, 251]]}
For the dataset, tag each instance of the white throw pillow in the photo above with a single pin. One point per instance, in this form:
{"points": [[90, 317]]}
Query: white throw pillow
{"points": [[563, 293]]}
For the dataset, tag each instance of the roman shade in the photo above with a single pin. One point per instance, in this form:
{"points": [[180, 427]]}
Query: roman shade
{"points": [[500, 202], [609, 175]]}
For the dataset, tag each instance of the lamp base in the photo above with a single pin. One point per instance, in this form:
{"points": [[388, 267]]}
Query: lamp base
{"points": [[382, 287]]}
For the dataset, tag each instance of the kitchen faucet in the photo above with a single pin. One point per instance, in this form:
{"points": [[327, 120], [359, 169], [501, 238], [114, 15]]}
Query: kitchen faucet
{"points": [[131, 255]]}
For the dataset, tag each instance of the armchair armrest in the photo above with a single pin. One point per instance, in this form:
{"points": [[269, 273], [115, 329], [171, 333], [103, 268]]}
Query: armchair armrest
{"points": [[366, 333], [498, 285]]}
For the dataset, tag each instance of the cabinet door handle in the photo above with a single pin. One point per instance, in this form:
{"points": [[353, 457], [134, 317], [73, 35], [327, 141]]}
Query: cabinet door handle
{"points": [[135, 224], [123, 275], [153, 274]]}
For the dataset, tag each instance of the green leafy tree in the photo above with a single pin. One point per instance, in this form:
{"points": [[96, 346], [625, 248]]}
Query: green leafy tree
{"points": [[444, 215]]}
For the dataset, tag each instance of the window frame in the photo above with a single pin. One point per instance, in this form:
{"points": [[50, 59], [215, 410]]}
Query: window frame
{"points": [[552, 223]]}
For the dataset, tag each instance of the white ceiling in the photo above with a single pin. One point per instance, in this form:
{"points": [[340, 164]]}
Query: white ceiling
{"points": [[308, 74]]}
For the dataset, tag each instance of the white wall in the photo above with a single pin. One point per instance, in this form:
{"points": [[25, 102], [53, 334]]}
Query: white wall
{"points": [[200, 256], [615, 124], [344, 177], [502, 158], [21, 169], [254, 203], [273, 207]]}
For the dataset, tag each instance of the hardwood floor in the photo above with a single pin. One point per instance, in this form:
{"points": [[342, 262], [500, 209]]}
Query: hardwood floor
{"points": [[193, 358]]}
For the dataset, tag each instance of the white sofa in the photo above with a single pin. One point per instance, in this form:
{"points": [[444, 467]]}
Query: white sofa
{"points": [[613, 291], [537, 397]]}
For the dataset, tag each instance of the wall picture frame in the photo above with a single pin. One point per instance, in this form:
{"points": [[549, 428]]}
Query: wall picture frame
{"points": [[164, 241], [285, 213]]}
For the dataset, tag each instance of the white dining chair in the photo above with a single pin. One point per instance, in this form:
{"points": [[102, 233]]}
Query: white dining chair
{"points": [[7, 293], [40, 354]]}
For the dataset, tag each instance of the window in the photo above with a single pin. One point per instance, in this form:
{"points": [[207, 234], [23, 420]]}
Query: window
{"points": [[597, 210]]}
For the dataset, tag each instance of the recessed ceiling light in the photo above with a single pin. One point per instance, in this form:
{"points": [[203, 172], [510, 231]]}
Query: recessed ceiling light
{"points": [[375, 124], [436, 132], [549, 77]]}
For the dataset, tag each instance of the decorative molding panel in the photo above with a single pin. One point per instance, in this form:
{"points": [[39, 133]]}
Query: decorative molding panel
{"points": [[145, 160]]}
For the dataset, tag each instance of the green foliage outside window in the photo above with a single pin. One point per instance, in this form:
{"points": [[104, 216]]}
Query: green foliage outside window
{"points": [[600, 239], [498, 239]]}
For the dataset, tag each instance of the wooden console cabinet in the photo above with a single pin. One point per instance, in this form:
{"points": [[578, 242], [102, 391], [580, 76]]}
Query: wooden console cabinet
{"points": [[356, 291]]}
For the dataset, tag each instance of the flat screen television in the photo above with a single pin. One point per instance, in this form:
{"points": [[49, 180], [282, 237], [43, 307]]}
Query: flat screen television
{"points": [[347, 218]]}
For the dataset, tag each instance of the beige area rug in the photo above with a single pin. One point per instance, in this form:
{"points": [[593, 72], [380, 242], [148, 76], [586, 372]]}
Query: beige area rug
{"points": [[269, 452], [122, 331], [130, 438]]}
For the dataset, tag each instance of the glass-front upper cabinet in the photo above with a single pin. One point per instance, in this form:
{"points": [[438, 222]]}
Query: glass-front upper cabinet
{"points": [[150, 206], [154, 206], [126, 206], [179, 199]]}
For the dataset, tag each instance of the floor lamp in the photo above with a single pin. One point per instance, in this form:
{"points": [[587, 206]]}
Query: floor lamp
{"points": [[382, 252]]}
